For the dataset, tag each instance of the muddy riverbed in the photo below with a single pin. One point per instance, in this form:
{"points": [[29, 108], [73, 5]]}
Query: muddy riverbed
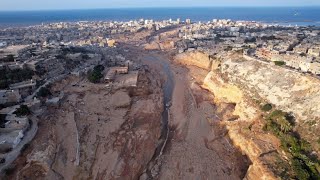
{"points": [[195, 144]]}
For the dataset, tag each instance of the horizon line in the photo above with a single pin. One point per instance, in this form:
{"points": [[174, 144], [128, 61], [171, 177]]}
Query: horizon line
{"points": [[159, 7]]}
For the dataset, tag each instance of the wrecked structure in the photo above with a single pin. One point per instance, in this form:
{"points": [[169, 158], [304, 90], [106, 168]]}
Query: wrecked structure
{"points": [[112, 72]]}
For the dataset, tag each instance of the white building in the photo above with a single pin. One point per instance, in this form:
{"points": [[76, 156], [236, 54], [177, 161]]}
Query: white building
{"points": [[314, 52], [315, 68], [3, 44]]}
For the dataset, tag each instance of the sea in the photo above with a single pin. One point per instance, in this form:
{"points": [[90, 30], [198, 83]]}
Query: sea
{"points": [[300, 16]]}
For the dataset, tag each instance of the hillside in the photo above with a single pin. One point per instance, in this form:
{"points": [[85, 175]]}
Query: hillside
{"points": [[249, 85]]}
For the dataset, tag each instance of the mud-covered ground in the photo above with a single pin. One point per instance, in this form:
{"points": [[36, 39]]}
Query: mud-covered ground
{"points": [[106, 133], [199, 147], [97, 133]]}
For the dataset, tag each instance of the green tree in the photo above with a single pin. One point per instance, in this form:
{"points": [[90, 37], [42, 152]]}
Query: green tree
{"points": [[44, 92], [22, 111], [95, 75]]}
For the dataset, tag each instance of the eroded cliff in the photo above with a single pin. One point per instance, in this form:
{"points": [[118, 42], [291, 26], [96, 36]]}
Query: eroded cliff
{"points": [[248, 84]]}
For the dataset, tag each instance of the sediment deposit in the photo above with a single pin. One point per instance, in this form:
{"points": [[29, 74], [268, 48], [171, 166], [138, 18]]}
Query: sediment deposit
{"points": [[247, 84], [98, 132]]}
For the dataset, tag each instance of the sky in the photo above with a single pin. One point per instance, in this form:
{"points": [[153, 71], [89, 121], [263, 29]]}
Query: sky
{"points": [[12, 5]]}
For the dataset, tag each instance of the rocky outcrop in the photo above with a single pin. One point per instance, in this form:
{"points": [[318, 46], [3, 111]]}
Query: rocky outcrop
{"points": [[243, 82], [228, 93], [39, 162], [199, 59], [251, 145], [287, 89], [249, 83]]}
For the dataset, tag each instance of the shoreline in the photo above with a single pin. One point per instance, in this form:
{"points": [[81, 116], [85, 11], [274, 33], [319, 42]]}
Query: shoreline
{"points": [[271, 23], [303, 16]]}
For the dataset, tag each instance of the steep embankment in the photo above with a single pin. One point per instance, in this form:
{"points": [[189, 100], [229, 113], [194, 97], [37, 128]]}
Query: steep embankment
{"points": [[198, 59], [288, 90], [248, 84], [253, 144]]}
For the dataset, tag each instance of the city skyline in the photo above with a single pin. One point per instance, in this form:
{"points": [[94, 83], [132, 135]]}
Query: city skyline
{"points": [[17, 5]]}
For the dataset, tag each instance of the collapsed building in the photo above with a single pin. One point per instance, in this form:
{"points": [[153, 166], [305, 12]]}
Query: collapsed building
{"points": [[112, 72], [9, 96]]}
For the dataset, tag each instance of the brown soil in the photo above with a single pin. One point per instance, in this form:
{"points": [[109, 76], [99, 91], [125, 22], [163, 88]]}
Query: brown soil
{"points": [[199, 148], [96, 133], [101, 133]]}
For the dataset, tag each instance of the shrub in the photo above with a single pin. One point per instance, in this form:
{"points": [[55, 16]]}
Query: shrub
{"points": [[299, 169], [276, 114], [285, 125], [305, 146], [272, 126], [290, 144], [279, 63], [266, 107], [303, 165]]}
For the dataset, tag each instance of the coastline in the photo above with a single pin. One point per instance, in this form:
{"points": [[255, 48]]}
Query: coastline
{"points": [[301, 16], [275, 23]]}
